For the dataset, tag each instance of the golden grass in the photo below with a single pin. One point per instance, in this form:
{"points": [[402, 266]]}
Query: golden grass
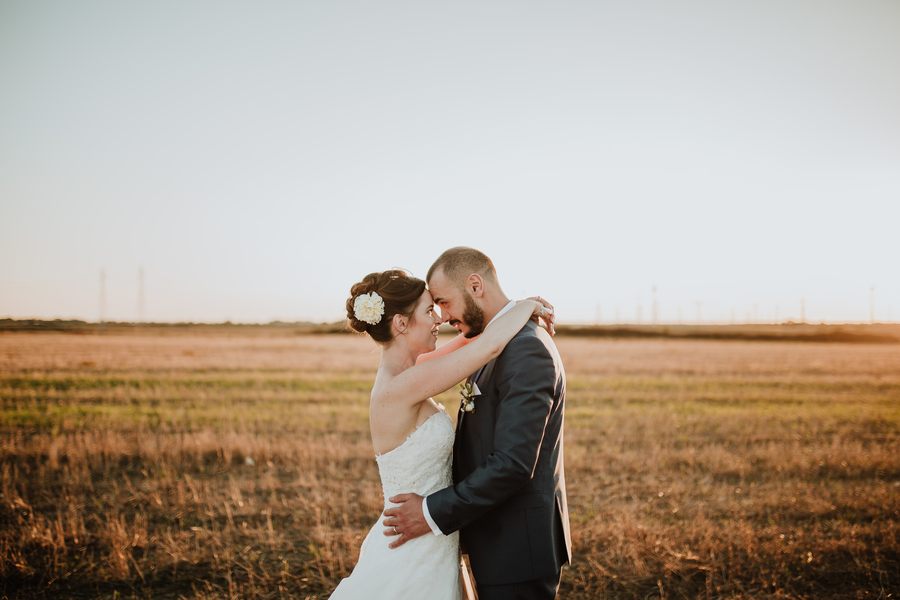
{"points": [[239, 466]]}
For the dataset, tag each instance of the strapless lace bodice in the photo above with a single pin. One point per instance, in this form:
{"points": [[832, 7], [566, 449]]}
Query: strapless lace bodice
{"points": [[427, 566], [422, 463]]}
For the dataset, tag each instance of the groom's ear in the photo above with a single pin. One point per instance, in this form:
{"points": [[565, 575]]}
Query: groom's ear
{"points": [[475, 285]]}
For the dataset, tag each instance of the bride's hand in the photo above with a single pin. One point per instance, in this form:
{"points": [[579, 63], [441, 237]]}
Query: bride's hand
{"points": [[543, 311]]}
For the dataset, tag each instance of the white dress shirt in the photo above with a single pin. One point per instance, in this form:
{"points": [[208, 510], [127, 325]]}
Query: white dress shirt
{"points": [[434, 528]]}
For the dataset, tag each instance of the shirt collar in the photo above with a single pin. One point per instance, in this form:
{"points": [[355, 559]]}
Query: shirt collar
{"points": [[508, 306]]}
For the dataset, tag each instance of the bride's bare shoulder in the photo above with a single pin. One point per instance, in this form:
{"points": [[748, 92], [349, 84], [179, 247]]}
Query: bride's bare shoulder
{"points": [[381, 385]]}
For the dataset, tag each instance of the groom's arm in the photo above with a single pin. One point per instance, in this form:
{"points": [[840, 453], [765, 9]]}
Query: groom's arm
{"points": [[525, 378], [426, 514]]}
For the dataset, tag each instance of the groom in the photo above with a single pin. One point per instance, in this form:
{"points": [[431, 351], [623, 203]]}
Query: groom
{"points": [[509, 495]]}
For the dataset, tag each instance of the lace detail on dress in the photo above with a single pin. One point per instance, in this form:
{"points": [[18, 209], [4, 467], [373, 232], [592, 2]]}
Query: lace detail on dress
{"points": [[428, 566], [422, 463]]}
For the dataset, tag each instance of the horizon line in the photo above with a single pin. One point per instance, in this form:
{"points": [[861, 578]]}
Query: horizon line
{"points": [[574, 323]]}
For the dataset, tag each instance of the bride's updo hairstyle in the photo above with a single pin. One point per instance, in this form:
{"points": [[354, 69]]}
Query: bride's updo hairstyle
{"points": [[398, 289]]}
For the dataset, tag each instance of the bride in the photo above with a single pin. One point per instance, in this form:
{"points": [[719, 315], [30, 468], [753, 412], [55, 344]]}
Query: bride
{"points": [[412, 434]]}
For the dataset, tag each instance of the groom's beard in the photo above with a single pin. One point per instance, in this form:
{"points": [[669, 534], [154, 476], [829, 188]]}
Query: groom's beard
{"points": [[473, 316]]}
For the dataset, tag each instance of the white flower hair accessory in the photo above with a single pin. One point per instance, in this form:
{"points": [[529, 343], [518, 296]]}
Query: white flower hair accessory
{"points": [[369, 308]]}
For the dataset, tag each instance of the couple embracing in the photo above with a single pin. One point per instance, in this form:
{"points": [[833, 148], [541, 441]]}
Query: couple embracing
{"points": [[495, 487]]}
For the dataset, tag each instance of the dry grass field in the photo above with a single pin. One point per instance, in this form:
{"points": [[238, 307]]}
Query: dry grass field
{"points": [[229, 465]]}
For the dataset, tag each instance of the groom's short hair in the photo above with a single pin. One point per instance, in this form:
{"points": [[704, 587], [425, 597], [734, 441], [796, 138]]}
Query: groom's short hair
{"points": [[460, 262]]}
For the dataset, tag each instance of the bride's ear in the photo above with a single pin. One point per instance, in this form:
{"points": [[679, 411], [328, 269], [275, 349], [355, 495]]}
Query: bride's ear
{"points": [[399, 324]]}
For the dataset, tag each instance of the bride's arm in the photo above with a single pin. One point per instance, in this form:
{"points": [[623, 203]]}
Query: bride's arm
{"points": [[435, 376], [451, 346], [548, 317]]}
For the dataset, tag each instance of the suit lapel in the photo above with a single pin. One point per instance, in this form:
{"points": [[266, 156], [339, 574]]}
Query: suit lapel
{"points": [[484, 373], [481, 375]]}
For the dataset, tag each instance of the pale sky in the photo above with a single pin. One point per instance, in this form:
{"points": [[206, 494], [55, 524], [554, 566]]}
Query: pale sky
{"points": [[256, 159]]}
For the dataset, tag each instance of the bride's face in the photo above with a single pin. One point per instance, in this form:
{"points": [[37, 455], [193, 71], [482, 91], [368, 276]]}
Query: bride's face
{"points": [[423, 326]]}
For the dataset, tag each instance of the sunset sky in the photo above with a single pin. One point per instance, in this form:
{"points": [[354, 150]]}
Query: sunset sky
{"points": [[256, 159]]}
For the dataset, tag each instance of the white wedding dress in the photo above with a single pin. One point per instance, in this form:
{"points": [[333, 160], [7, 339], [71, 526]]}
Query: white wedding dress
{"points": [[428, 566]]}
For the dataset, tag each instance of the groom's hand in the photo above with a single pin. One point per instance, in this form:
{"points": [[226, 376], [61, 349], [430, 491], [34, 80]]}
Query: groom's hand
{"points": [[406, 521]]}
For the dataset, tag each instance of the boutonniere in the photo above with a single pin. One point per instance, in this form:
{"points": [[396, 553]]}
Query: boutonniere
{"points": [[467, 392]]}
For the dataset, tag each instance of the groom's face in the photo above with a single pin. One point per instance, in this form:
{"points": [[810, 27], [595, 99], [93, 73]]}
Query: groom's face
{"points": [[458, 307]]}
